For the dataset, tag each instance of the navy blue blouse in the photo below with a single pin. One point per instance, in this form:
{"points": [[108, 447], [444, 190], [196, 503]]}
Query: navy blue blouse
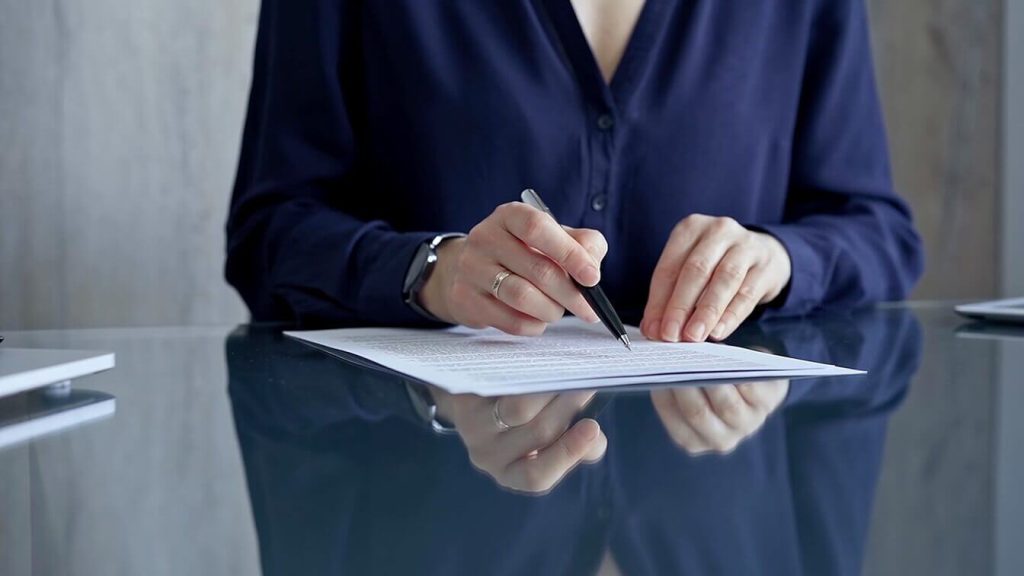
{"points": [[375, 125]]}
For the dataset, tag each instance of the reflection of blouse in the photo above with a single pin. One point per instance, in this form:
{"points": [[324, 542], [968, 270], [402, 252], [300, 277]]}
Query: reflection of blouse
{"points": [[374, 125], [340, 486], [794, 499]]}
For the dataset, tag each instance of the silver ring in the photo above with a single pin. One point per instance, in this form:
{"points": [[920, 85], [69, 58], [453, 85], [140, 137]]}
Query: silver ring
{"points": [[496, 412], [498, 279]]}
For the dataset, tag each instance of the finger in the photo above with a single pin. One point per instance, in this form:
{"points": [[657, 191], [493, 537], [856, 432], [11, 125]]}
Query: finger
{"points": [[691, 281], [486, 440], [519, 410], [697, 412], [519, 294], [592, 241], [490, 312], [543, 471], [597, 450], [729, 275], [742, 306], [681, 433], [540, 231], [679, 244], [732, 409], [544, 429], [764, 396], [543, 273]]}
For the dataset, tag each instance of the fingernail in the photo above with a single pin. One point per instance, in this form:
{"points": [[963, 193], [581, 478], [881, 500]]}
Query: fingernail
{"points": [[718, 331], [652, 331], [591, 432], [593, 318], [671, 332], [590, 276], [697, 332]]}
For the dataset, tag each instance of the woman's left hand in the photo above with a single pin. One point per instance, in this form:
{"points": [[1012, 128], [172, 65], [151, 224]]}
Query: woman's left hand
{"points": [[717, 418], [711, 275]]}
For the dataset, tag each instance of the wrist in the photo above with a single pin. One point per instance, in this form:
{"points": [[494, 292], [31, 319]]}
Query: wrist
{"points": [[432, 297], [781, 266]]}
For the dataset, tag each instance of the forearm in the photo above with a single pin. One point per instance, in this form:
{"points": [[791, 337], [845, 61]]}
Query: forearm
{"points": [[850, 237], [305, 262], [868, 253]]}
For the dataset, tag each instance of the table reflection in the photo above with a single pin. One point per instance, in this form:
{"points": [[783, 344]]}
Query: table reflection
{"points": [[343, 477]]}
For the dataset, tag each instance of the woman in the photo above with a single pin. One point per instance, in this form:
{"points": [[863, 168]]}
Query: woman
{"points": [[713, 160]]}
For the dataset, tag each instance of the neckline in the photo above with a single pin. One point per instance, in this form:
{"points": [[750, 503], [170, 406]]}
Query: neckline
{"points": [[612, 94]]}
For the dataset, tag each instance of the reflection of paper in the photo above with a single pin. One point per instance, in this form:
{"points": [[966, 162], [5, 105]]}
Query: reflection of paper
{"points": [[570, 354]]}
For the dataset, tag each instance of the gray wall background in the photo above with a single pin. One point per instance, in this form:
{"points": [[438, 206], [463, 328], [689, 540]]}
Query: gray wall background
{"points": [[120, 123], [119, 129], [1013, 150]]}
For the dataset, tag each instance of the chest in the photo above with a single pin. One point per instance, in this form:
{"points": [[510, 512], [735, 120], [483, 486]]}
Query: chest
{"points": [[649, 59], [608, 26]]}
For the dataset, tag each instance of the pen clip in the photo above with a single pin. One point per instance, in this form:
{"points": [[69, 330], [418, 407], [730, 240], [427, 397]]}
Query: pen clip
{"points": [[531, 197]]}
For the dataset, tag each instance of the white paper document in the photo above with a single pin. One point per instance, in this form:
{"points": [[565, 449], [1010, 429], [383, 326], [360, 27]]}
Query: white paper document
{"points": [[570, 355]]}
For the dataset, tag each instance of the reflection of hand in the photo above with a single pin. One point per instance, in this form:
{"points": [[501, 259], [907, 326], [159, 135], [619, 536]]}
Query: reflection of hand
{"points": [[532, 258], [711, 275], [538, 447], [717, 418]]}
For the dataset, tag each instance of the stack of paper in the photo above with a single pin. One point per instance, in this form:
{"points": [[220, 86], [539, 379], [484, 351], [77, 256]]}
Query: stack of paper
{"points": [[570, 355]]}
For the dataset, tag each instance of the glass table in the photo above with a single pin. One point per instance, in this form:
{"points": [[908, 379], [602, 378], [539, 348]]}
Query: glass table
{"points": [[235, 450]]}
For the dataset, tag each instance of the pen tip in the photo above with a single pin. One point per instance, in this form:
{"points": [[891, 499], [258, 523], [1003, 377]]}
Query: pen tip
{"points": [[625, 342]]}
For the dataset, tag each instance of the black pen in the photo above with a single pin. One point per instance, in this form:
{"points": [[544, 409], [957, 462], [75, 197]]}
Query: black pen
{"points": [[592, 294]]}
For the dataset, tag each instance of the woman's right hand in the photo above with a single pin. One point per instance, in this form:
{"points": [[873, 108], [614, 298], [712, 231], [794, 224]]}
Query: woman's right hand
{"points": [[541, 256], [526, 443]]}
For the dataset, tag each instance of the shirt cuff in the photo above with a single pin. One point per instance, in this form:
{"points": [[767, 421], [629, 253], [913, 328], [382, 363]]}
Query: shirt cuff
{"points": [[805, 290], [385, 257]]}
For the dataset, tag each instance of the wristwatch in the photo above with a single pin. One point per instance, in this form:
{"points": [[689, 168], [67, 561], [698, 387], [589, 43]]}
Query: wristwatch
{"points": [[424, 406], [419, 271]]}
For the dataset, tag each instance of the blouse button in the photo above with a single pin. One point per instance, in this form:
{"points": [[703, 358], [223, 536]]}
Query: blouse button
{"points": [[605, 121], [598, 202]]}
